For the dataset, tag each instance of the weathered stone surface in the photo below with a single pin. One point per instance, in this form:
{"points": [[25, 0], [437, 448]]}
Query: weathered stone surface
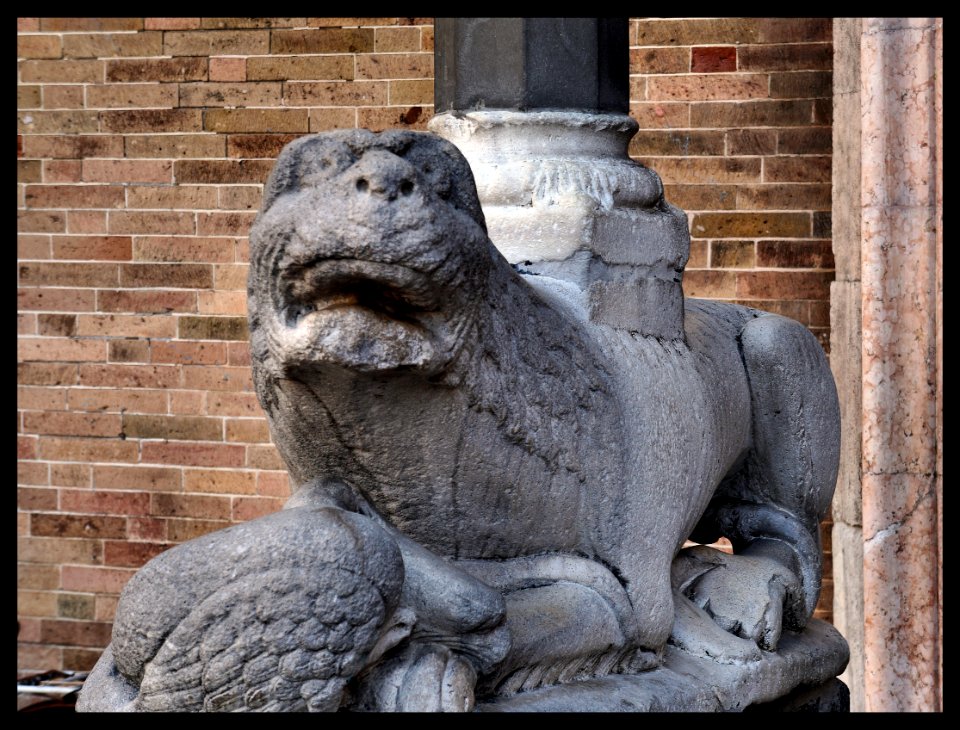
{"points": [[536, 468]]}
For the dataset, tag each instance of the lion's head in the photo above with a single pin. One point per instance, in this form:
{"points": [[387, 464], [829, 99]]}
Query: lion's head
{"points": [[369, 253]]}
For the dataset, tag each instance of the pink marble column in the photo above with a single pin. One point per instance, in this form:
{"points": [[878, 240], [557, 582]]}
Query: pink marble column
{"points": [[900, 225]]}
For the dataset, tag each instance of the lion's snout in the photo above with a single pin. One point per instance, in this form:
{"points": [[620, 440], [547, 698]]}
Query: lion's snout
{"points": [[383, 175]]}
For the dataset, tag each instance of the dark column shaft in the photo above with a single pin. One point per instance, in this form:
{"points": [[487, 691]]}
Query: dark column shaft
{"points": [[532, 63]]}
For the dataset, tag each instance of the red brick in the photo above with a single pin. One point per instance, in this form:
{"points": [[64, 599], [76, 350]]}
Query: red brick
{"points": [[187, 453], [128, 171], [707, 87], [805, 141], [396, 40], [214, 94], [254, 120], [61, 97], [95, 579], [26, 323], [820, 317], [86, 221], [705, 170], [412, 91], [801, 85], [171, 23], [38, 577], [238, 353], [251, 22], [336, 93], [131, 96], [87, 449], [683, 142], [60, 171], [133, 554], [189, 529], [228, 69], [661, 115], [756, 113], [31, 472], [330, 118], [784, 284], [212, 481], [130, 376], [732, 255], [53, 550], [712, 59], [148, 478], [751, 142], [35, 498], [110, 503], [75, 605], [147, 528], [222, 171], [187, 402], [71, 424], [333, 40], [233, 404], [91, 24], [78, 146], [216, 43], [62, 72], [786, 57], [177, 145], [38, 46], [250, 508], [247, 431], [57, 325], [351, 22], [126, 325], [36, 603], [32, 246], [784, 196], [92, 248], [58, 122], [176, 276], [74, 196], [221, 378], [741, 225], [146, 301], [264, 457], [41, 221], [190, 428], [701, 197], [151, 120], [213, 328], [26, 447], [312, 68], [70, 475], [240, 197], [104, 399], [232, 223], [87, 45], [41, 399], [789, 30], [79, 660], [806, 168], [257, 145], [273, 484], [58, 349], [89, 526], [35, 657], [128, 350], [29, 171], [395, 66], [190, 505], [394, 117], [28, 25], [222, 302], [190, 353], [426, 38], [795, 254], [36, 373], [688, 31], [710, 284]]}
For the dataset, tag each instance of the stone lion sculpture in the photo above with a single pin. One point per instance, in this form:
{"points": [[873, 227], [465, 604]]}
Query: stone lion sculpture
{"points": [[508, 485]]}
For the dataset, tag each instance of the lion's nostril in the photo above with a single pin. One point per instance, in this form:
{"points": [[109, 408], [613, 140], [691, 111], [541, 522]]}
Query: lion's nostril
{"points": [[362, 185], [406, 187]]}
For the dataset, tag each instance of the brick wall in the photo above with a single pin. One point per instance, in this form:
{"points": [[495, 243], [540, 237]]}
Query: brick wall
{"points": [[142, 147]]}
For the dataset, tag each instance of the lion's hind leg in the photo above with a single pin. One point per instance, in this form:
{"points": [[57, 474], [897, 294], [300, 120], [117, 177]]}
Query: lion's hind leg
{"points": [[772, 506]]}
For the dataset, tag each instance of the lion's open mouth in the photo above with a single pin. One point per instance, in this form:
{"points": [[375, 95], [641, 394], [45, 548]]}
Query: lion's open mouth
{"points": [[363, 315], [391, 291]]}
